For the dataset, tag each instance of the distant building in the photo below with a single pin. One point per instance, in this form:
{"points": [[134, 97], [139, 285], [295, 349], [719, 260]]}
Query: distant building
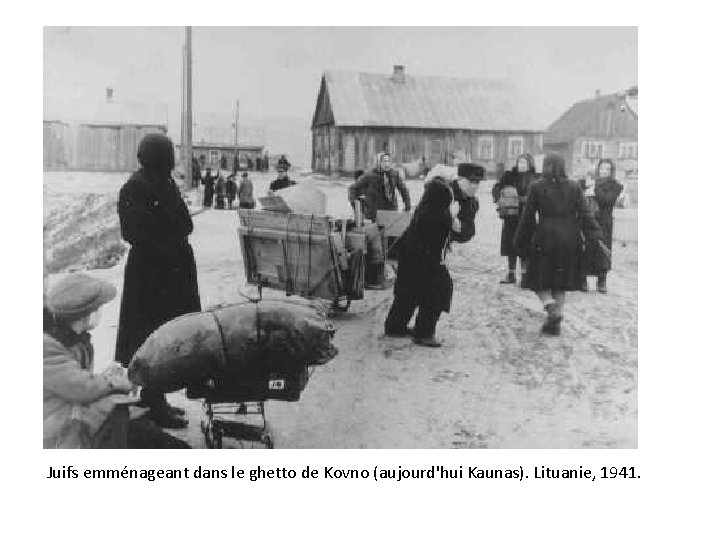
{"points": [[98, 136], [211, 143], [413, 118], [606, 126]]}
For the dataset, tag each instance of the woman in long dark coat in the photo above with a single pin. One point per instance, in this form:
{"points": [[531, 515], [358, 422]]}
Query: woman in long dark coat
{"points": [[423, 281], [520, 177], [556, 243], [606, 192], [160, 274]]}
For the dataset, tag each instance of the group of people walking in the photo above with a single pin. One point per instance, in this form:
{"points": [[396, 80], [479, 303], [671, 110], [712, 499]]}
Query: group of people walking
{"points": [[224, 191], [560, 230]]}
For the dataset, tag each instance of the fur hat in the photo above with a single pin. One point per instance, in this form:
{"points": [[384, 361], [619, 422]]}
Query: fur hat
{"points": [[78, 295], [471, 171]]}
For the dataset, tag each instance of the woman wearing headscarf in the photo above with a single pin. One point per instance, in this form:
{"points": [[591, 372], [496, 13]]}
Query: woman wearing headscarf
{"points": [[423, 281], [220, 192], [596, 261], [519, 177], [556, 241], [77, 409], [160, 274]]}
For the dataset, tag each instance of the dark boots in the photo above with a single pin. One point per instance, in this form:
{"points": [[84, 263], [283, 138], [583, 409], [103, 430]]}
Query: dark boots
{"points": [[510, 278], [551, 326], [602, 284]]}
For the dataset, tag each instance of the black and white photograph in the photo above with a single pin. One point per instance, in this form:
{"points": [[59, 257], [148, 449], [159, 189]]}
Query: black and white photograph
{"points": [[340, 237]]}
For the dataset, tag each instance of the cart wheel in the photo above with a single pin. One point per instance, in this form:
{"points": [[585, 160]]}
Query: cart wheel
{"points": [[267, 440]]}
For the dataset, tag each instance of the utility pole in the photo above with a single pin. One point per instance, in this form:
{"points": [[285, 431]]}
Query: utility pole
{"points": [[187, 110], [237, 126]]}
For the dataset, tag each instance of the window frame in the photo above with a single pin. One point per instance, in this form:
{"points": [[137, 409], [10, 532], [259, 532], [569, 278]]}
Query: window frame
{"points": [[513, 139], [480, 144]]}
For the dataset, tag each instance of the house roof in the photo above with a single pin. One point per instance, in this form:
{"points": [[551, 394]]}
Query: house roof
{"points": [[107, 113], [606, 117], [375, 99]]}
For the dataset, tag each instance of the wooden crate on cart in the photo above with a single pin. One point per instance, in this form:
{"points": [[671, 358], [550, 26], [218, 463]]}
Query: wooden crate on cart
{"points": [[301, 255]]}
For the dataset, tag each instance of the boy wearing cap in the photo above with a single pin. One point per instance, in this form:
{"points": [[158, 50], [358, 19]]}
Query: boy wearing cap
{"points": [[77, 409]]}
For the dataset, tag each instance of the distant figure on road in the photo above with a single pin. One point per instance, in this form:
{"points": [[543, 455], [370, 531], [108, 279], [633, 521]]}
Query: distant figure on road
{"points": [[556, 242], [236, 163], [282, 181], [245, 192], [220, 192], [208, 181], [230, 190], [283, 162], [249, 163], [378, 188], [258, 163], [196, 174], [223, 162]]}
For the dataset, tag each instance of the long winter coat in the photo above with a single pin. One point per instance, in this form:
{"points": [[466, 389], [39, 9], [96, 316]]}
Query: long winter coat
{"points": [[379, 190], [521, 182], [209, 189], [556, 242], [606, 193], [76, 402], [160, 275], [422, 277]]}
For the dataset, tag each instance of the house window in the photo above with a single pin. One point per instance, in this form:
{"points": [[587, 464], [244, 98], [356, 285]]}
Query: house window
{"points": [[592, 150], [214, 157], [485, 148], [515, 147], [628, 150]]}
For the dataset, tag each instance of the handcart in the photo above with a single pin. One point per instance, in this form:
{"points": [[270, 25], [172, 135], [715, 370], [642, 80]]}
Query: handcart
{"points": [[235, 409], [311, 256]]}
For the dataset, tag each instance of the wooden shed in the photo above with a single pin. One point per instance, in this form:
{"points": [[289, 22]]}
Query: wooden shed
{"points": [[602, 127], [101, 136], [429, 119]]}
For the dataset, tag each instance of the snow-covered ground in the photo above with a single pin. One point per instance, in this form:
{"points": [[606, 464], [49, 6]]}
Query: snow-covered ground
{"points": [[496, 383]]}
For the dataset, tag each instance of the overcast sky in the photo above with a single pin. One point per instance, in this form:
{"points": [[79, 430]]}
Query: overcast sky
{"points": [[276, 71]]}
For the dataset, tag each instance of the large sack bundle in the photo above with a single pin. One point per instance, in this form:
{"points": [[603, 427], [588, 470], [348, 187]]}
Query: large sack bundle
{"points": [[305, 198], [242, 343]]}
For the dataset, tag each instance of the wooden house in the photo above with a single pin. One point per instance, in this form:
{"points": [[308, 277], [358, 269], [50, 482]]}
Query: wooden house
{"points": [[102, 136], [603, 127], [212, 142], [429, 119]]}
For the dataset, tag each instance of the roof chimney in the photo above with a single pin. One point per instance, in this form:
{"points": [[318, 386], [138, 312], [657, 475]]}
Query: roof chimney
{"points": [[109, 95], [398, 74], [597, 93]]}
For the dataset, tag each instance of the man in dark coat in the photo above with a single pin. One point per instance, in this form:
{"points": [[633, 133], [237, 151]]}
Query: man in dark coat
{"points": [[597, 262], [557, 239], [230, 190], [423, 281], [519, 177], [209, 182], [196, 174], [245, 192], [282, 181], [220, 192], [223, 162], [160, 274], [378, 188]]}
